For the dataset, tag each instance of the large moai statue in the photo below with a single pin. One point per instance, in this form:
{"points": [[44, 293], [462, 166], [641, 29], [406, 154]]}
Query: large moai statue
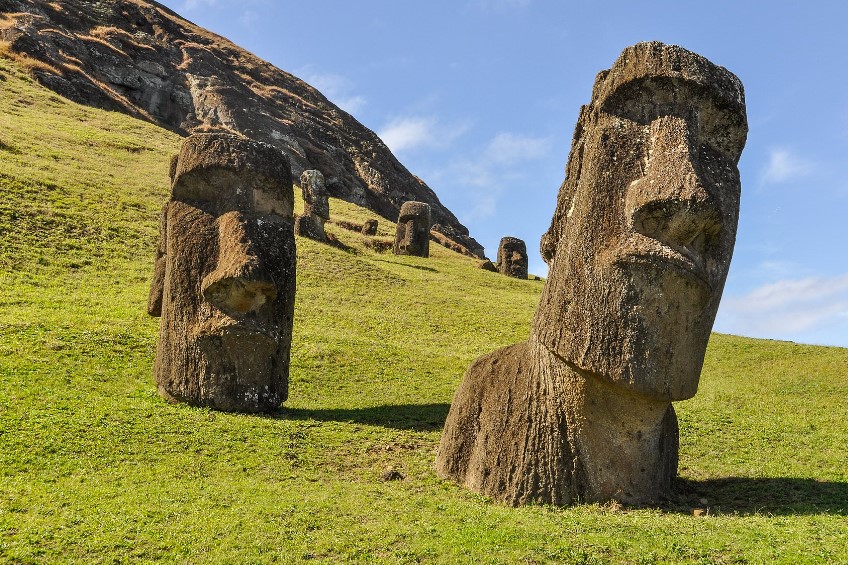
{"points": [[512, 258], [639, 249], [413, 230], [316, 206], [224, 278]]}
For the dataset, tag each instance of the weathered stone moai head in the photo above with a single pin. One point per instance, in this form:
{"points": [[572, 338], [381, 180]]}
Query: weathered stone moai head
{"points": [[639, 249], [316, 206], [512, 258], [643, 233], [369, 227], [413, 230], [224, 278]]}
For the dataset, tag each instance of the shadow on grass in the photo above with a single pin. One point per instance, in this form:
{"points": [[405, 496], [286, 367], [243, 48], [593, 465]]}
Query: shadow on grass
{"points": [[419, 267], [417, 417], [744, 495]]}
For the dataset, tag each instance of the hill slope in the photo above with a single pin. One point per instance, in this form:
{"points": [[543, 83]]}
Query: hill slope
{"points": [[138, 57], [96, 468]]}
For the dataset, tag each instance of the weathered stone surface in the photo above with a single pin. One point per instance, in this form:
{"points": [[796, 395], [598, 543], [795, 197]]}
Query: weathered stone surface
{"points": [[412, 236], [316, 206], [369, 227], [141, 58], [224, 277], [639, 249], [488, 266], [315, 196], [512, 258]]}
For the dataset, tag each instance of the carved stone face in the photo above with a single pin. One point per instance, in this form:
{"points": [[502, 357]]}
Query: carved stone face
{"points": [[512, 257], [642, 238], [225, 276], [315, 195], [412, 236]]}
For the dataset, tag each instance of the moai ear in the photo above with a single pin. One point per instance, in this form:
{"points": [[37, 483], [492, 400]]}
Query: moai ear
{"points": [[157, 286]]}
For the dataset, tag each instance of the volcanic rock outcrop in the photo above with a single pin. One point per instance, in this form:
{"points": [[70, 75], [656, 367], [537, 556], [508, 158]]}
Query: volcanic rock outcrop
{"points": [[639, 249], [224, 277], [412, 235], [138, 57], [512, 258]]}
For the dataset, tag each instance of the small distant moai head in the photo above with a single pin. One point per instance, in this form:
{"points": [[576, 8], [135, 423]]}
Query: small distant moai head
{"points": [[413, 230], [642, 236], [369, 227], [512, 258], [316, 206], [224, 278]]}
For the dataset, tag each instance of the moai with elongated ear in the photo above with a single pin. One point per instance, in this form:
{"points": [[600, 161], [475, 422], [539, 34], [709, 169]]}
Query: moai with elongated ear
{"points": [[512, 258], [639, 249], [224, 277], [369, 227], [316, 206], [412, 236]]}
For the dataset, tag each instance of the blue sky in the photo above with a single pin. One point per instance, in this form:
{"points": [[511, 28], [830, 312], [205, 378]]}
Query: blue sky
{"points": [[480, 97]]}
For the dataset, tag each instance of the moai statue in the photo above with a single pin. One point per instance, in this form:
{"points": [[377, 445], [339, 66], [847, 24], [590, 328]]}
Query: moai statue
{"points": [[639, 249], [224, 278], [512, 258], [413, 230], [316, 206], [369, 227]]}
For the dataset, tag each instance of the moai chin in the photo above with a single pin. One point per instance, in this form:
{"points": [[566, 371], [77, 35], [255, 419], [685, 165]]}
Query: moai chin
{"points": [[639, 249], [224, 277], [316, 206], [412, 236], [512, 258]]}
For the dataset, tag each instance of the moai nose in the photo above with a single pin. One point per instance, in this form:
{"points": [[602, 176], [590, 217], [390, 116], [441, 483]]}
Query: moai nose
{"points": [[239, 284], [672, 202]]}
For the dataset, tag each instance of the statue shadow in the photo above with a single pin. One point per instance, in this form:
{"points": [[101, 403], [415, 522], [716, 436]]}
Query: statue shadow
{"points": [[781, 496], [419, 267], [415, 417]]}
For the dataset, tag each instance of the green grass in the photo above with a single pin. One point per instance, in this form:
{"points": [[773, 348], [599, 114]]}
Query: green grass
{"points": [[96, 468]]}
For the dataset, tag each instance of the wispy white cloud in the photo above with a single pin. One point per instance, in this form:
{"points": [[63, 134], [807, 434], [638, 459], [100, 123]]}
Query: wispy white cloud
{"points": [[486, 174], [414, 132], [786, 307], [784, 166], [335, 87]]}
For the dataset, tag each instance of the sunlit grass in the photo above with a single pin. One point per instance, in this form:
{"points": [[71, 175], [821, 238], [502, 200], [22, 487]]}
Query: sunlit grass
{"points": [[95, 467]]}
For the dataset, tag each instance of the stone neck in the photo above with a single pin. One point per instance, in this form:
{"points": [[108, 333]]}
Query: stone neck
{"points": [[622, 442]]}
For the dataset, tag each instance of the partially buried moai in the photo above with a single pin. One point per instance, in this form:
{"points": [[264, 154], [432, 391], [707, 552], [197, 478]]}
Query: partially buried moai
{"points": [[224, 278], [412, 236], [316, 206], [639, 249], [512, 258], [369, 227]]}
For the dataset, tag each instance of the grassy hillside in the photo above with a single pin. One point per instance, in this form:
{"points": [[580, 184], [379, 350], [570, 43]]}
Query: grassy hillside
{"points": [[96, 468]]}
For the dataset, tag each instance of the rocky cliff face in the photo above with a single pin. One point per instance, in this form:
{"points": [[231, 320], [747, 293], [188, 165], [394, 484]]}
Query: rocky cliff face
{"points": [[138, 57]]}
